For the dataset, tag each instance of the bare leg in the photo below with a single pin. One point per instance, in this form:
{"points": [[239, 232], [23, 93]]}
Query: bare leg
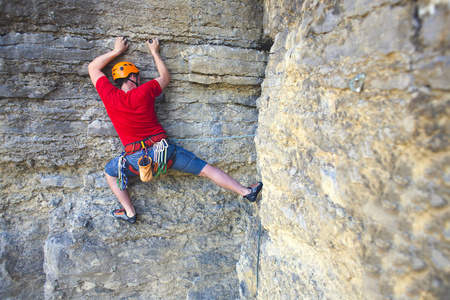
{"points": [[224, 180], [123, 196]]}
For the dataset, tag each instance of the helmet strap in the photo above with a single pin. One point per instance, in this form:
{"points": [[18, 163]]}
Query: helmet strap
{"points": [[135, 82]]}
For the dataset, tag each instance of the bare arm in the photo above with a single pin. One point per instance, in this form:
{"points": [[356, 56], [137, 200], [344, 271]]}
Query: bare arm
{"points": [[164, 75], [96, 66]]}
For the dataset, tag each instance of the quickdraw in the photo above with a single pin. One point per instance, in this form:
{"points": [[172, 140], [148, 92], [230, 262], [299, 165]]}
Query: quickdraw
{"points": [[122, 179], [357, 83], [160, 157]]}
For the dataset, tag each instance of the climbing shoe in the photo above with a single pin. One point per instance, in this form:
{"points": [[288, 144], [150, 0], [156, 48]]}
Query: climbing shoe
{"points": [[122, 215], [255, 189]]}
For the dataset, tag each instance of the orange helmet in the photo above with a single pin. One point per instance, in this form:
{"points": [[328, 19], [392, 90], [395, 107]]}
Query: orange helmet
{"points": [[123, 69]]}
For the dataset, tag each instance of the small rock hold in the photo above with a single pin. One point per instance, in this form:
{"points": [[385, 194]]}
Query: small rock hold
{"points": [[389, 205], [437, 201], [382, 244], [293, 171], [425, 90], [447, 234], [340, 213], [371, 269], [55, 202], [403, 182], [88, 286], [437, 283], [418, 264]]}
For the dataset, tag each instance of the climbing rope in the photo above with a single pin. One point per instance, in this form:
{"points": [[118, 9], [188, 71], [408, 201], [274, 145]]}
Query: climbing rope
{"points": [[257, 259], [259, 229], [215, 139]]}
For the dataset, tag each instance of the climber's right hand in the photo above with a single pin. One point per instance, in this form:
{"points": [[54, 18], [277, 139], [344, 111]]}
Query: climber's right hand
{"points": [[153, 45]]}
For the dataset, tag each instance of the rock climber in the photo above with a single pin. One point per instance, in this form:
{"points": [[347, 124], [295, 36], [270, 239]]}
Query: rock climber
{"points": [[131, 108]]}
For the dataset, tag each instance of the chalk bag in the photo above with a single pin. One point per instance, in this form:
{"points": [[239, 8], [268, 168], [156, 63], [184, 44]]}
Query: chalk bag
{"points": [[145, 167]]}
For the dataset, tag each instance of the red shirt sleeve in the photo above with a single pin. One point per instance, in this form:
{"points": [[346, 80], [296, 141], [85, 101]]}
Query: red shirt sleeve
{"points": [[105, 88], [151, 88]]}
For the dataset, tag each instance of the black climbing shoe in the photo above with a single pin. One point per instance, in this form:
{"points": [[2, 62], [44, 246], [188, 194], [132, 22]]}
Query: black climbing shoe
{"points": [[122, 215], [256, 188]]}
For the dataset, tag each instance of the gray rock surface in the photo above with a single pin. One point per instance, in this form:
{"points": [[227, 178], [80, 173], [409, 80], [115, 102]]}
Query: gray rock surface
{"points": [[356, 185], [58, 239]]}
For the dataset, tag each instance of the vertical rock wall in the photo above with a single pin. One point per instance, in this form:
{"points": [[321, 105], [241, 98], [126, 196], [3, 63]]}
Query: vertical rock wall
{"points": [[355, 204], [55, 228]]}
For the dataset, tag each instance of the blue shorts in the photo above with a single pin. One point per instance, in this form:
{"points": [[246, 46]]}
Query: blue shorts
{"points": [[185, 161]]}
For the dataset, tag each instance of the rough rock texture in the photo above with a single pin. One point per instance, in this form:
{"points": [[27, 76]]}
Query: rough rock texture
{"points": [[355, 204], [56, 229]]}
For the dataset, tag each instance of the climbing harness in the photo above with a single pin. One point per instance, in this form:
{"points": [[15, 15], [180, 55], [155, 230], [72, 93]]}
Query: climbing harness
{"points": [[122, 179], [357, 83], [148, 142], [149, 168]]}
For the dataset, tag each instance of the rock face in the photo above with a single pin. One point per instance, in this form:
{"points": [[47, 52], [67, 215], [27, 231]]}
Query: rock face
{"points": [[58, 239], [355, 203], [356, 184]]}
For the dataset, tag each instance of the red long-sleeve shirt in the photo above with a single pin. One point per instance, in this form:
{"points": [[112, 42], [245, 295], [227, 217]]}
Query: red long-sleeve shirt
{"points": [[133, 113]]}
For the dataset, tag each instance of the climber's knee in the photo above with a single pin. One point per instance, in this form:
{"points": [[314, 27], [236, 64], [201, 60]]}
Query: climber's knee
{"points": [[205, 171]]}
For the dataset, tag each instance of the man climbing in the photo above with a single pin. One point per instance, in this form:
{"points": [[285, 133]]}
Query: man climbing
{"points": [[131, 109]]}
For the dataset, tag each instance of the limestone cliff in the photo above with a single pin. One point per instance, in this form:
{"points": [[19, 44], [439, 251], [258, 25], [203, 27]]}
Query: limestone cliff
{"points": [[356, 184], [355, 202]]}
